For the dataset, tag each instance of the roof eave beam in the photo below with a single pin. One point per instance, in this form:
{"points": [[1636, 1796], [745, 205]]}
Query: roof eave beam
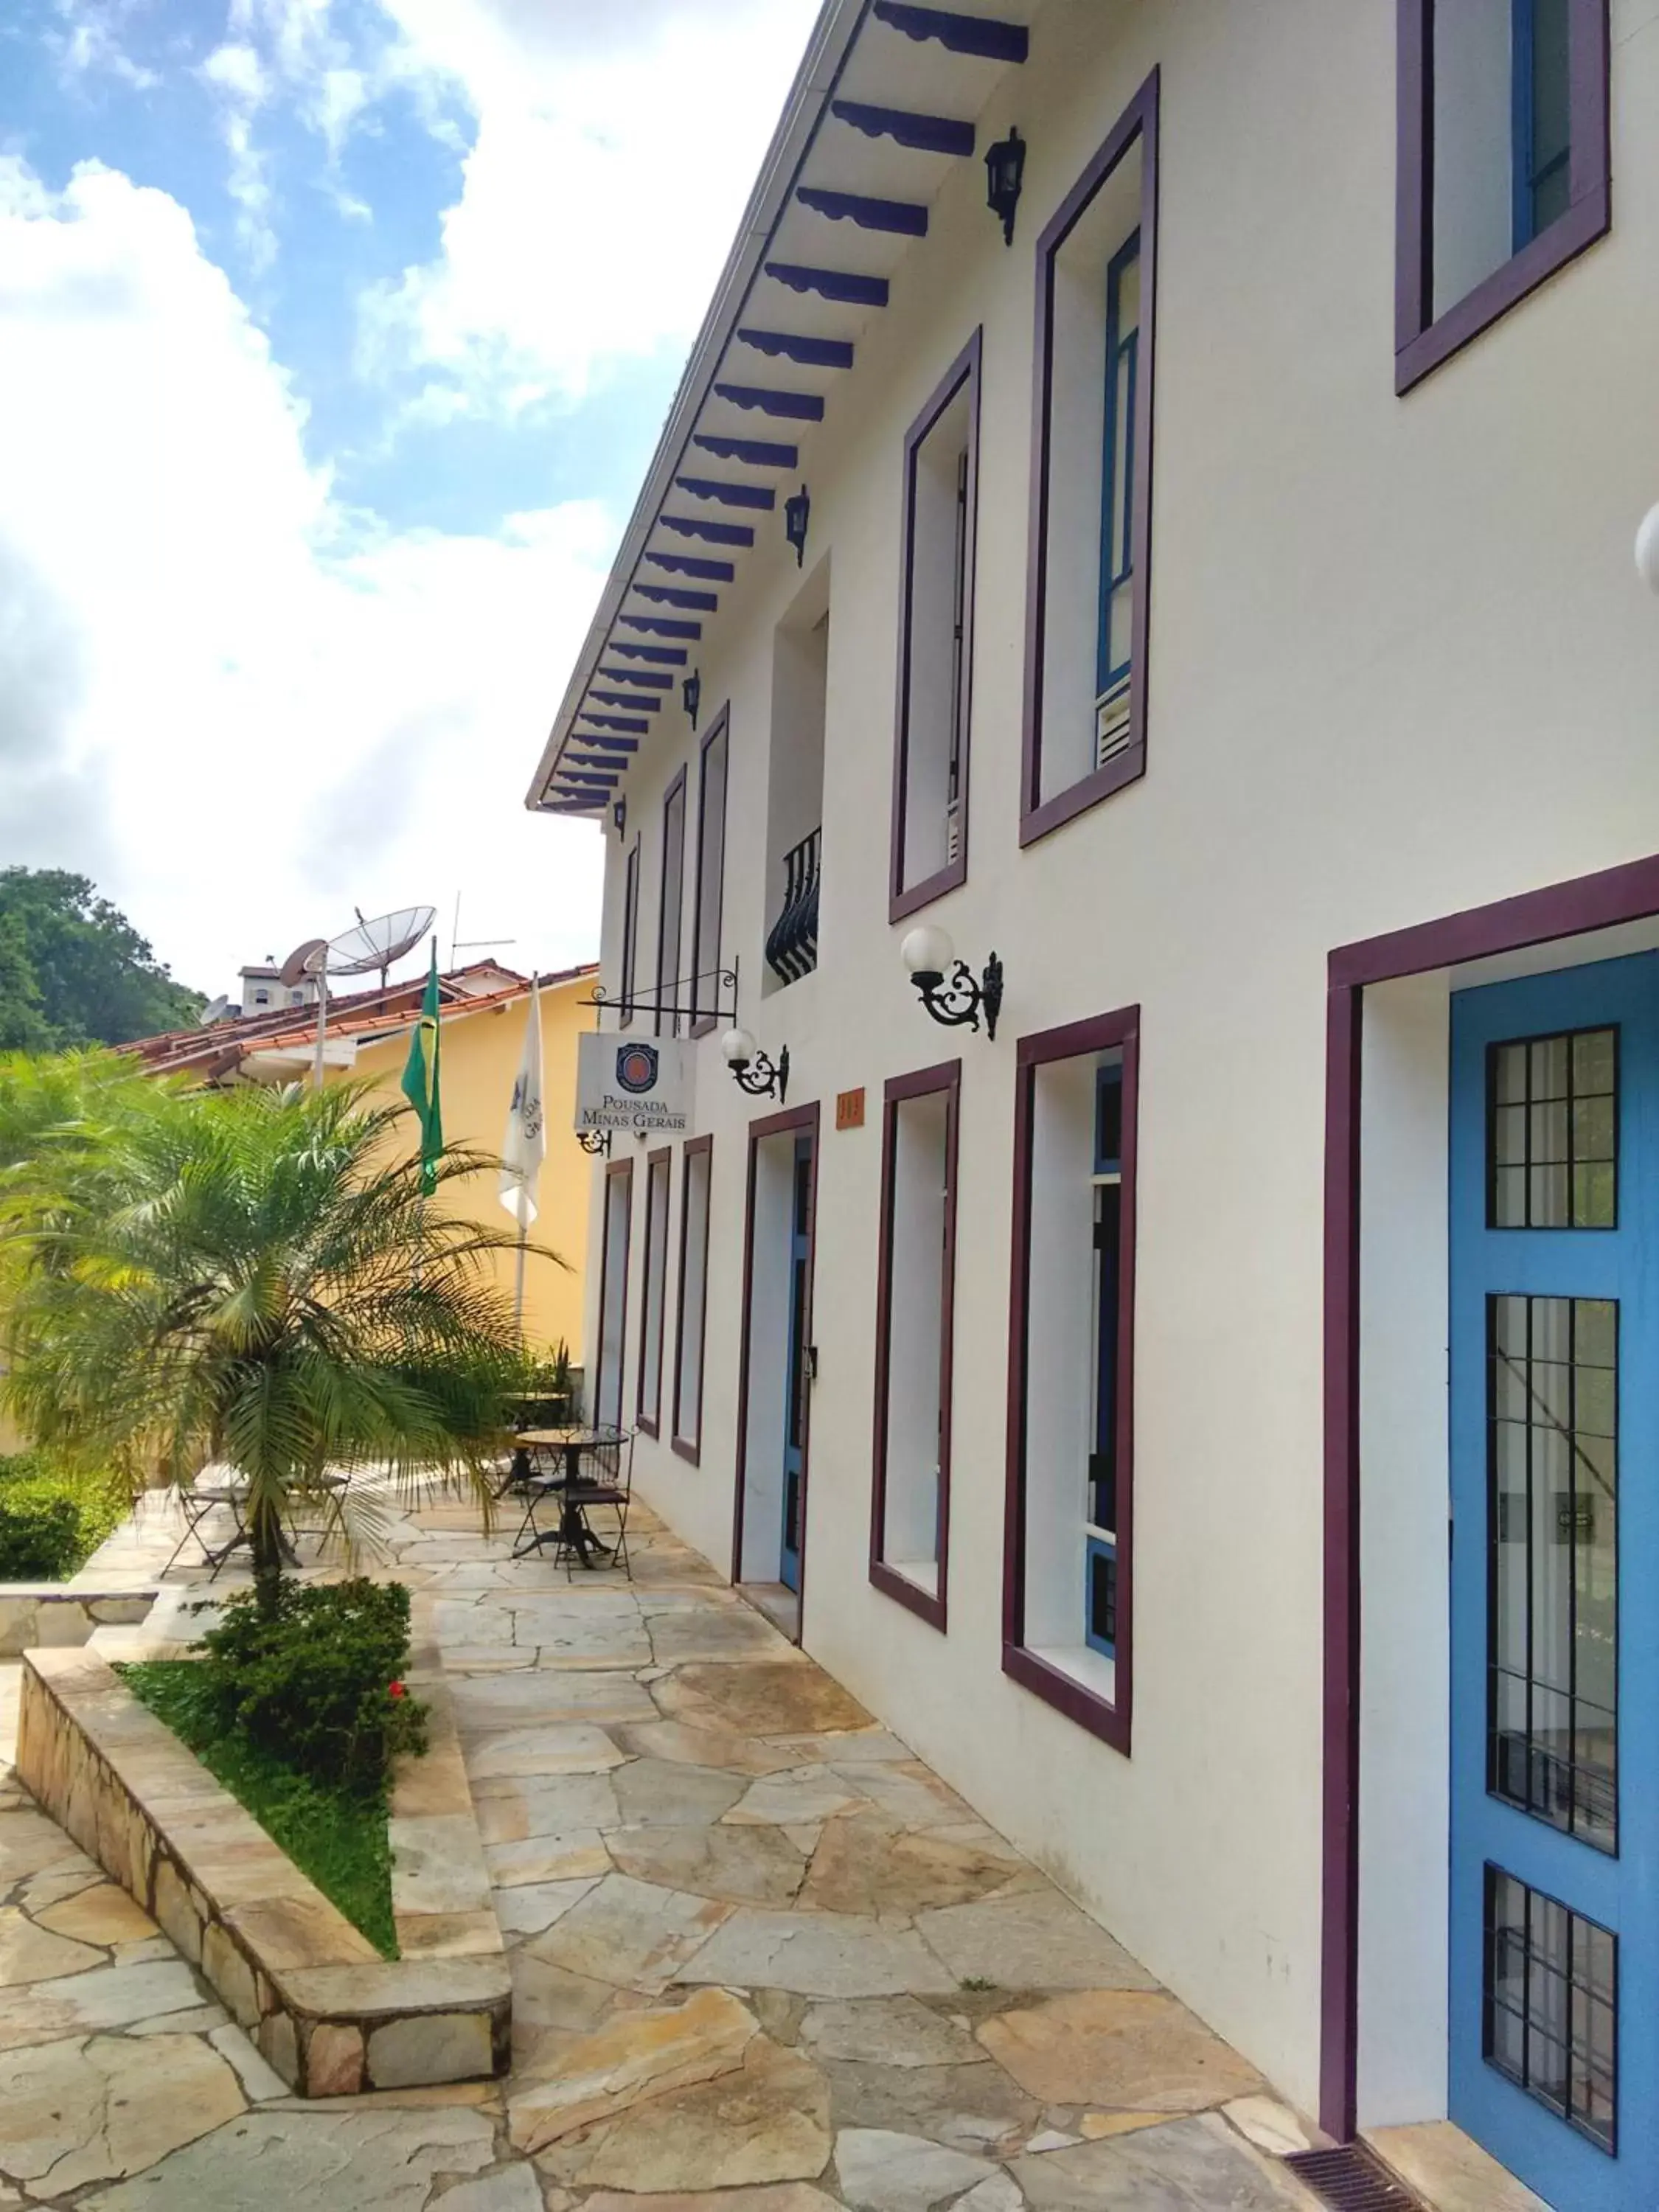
{"points": [[789, 406], [903, 218], [847, 287], [790, 345], [982, 37], [918, 134], [759, 497]]}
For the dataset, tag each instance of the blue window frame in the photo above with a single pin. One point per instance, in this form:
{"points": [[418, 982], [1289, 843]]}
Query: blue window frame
{"points": [[1118, 473], [1541, 135], [1100, 1537]]}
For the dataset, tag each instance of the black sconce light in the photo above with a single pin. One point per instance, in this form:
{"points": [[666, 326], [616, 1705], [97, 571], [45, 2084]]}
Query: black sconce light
{"points": [[959, 1000], [619, 815], [752, 1069], [1005, 172], [796, 513], [691, 696], [596, 1141]]}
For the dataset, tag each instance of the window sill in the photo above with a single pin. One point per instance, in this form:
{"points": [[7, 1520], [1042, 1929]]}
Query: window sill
{"points": [[688, 1450], [651, 1429], [904, 1586], [1584, 222], [1072, 1679], [901, 904], [1125, 768]]}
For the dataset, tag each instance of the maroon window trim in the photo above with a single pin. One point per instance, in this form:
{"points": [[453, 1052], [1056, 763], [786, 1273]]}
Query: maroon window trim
{"points": [[1111, 1723], [623, 1170], [1627, 893], [1421, 342], [799, 1120], [703, 954], [1039, 816], [651, 1421], [927, 1082], [630, 943], [689, 1447], [908, 899], [668, 986]]}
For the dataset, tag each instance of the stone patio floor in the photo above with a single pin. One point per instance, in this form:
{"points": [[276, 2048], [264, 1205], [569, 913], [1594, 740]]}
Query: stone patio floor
{"points": [[762, 1959]]}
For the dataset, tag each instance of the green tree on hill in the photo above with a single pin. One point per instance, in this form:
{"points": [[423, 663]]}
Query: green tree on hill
{"points": [[74, 971]]}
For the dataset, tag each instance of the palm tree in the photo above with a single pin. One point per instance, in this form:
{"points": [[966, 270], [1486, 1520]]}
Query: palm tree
{"points": [[253, 1278]]}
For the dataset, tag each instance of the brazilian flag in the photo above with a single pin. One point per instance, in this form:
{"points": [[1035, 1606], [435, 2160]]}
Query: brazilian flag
{"points": [[420, 1084]]}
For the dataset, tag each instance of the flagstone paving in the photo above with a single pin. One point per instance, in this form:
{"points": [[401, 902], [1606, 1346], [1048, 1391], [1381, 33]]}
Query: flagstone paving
{"points": [[762, 1958]]}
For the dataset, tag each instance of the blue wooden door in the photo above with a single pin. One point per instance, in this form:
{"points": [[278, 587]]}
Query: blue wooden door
{"points": [[797, 1382], [1555, 1935]]}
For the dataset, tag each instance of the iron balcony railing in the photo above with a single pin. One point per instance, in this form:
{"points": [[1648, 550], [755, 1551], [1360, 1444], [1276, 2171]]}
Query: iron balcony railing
{"points": [[792, 950]]}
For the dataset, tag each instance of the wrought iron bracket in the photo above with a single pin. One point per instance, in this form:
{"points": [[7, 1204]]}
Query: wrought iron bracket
{"points": [[762, 1077], [960, 1002], [724, 1012], [595, 1141]]}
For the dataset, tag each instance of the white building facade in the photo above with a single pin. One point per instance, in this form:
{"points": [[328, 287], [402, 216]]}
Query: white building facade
{"points": [[1217, 602]]}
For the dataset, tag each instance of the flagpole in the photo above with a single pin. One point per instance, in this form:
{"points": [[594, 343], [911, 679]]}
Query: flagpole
{"points": [[518, 1292]]}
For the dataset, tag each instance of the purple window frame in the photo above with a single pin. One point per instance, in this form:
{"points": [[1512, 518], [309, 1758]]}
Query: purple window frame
{"points": [[668, 986], [621, 1170], [1110, 1721], [905, 899], [1422, 341], [1038, 816], [799, 1122], [652, 1422], [720, 728], [943, 1080], [630, 943], [687, 1447]]}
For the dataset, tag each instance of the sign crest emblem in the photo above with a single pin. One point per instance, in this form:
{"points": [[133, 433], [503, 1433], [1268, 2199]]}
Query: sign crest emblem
{"points": [[636, 1067]]}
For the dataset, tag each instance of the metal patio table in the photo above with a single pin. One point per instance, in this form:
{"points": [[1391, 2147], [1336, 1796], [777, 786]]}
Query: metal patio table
{"points": [[569, 1444]]}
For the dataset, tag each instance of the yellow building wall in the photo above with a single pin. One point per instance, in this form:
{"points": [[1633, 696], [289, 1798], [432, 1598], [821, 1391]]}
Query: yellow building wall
{"points": [[479, 1064]]}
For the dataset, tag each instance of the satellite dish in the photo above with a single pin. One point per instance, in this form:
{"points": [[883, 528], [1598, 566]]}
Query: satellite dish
{"points": [[380, 943], [214, 1011], [304, 961]]}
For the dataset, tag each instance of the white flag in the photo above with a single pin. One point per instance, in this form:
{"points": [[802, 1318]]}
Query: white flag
{"points": [[525, 1142]]}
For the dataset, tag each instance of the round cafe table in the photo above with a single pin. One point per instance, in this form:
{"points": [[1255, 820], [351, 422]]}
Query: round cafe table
{"points": [[567, 1445]]}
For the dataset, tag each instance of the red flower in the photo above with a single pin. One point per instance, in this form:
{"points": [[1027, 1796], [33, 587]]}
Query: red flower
{"points": [[396, 1690]]}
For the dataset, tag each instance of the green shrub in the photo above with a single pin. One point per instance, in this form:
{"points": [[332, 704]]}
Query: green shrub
{"points": [[316, 1683], [50, 1522]]}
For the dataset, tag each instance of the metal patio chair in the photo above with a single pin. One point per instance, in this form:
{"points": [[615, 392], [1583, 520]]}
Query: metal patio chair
{"points": [[609, 1485]]}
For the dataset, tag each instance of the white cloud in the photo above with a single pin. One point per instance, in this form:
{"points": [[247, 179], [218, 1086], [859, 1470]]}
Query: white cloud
{"points": [[613, 152], [236, 69], [288, 709], [91, 41]]}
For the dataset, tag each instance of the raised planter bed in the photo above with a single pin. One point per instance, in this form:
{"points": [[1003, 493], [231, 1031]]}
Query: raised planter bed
{"points": [[331, 2015], [57, 1613]]}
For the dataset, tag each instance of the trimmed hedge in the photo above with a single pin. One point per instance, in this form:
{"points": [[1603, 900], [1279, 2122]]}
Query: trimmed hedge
{"points": [[316, 1683], [51, 1522]]}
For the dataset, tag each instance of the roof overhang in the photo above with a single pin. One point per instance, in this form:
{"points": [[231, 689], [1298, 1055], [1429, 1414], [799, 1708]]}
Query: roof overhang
{"points": [[885, 104]]}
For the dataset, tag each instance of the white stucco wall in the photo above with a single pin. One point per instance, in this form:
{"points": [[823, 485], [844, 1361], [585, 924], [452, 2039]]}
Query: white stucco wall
{"points": [[1399, 665]]}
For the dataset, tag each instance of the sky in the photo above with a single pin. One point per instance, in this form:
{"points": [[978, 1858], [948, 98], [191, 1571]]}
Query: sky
{"points": [[335, 339]]}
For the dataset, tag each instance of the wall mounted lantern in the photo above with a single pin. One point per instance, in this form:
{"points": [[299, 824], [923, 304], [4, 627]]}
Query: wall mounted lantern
{"points": [[1005, 173], [796, 513], [691, 696], [954, 1000], [595, 1141], [619, 815], [1647, 549], [752, 1069]]}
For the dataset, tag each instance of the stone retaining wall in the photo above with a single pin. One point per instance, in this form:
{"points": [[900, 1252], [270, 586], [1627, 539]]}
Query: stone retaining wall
{"points": [[331, 2015], [51, 1614]]}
